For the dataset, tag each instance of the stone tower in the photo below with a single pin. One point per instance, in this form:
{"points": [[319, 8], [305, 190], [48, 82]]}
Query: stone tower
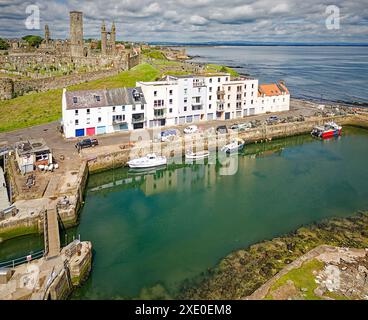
{"points": [[76, 34], [103, 38], [47, 34], [113, 39]]}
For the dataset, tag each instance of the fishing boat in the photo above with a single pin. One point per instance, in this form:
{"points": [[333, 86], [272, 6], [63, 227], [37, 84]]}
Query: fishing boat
{"points": [[329, 130], [149, 161], [190, 155], [234, 146]]}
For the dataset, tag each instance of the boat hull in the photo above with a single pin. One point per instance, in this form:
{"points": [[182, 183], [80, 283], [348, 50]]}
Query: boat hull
{"points": [[331, 133], [197, 156], [233, 150], [144, 165]]}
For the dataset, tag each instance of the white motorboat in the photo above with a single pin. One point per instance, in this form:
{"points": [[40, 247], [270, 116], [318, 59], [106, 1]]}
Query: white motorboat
{"points": [[149, 161], [190, 155], [234, 146]]}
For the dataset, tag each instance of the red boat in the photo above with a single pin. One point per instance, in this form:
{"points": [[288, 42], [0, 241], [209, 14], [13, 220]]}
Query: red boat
{"points": [[329, 130]]}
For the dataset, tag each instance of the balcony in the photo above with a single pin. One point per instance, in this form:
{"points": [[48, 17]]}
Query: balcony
{"points": [[159, 107], [197, 107], [197, 84], [195, 103], [118, 121], [220, 107], [159, 116], [138, 119]]}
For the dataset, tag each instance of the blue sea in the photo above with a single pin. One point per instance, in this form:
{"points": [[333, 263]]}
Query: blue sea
{"points": [[316, 73]]}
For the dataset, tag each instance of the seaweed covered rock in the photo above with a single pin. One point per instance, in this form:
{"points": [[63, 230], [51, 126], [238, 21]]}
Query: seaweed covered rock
{"points": [[243, 271]]}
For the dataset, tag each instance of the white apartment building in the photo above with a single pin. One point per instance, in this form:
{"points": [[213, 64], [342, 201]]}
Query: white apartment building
{"points": [[188, 99], [93, 112], [274, 97], [171, 101]]}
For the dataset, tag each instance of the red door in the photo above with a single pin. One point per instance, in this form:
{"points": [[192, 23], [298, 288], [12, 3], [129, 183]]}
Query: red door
{"points": [[91, 131]]}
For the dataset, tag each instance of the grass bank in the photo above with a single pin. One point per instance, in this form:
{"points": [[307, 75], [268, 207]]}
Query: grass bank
{"points": [[44, 107], [38, 108]]}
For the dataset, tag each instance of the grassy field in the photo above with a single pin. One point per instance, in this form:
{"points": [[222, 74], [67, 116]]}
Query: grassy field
{"points": [[38, 108], [44, 107], [212, 68], [302, 278]]}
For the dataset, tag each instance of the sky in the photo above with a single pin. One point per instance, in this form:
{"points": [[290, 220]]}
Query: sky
{"points": [[196, 20]]}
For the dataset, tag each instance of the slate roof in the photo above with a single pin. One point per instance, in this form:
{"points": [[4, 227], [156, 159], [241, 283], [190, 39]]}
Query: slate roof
{"points": [[31, 146], [86, 99]]}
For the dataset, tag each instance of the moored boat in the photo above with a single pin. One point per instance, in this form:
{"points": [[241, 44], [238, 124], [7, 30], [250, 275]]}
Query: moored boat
{"points": [[329, 130], [190, 155], [149, 161], [234, 146]]}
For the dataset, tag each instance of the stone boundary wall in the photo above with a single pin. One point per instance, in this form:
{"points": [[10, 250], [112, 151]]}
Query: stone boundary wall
{"points": [[11, 88]]}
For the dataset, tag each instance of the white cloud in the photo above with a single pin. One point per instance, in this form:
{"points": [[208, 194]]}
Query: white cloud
{"points": [[186, 20], [198, 20]]}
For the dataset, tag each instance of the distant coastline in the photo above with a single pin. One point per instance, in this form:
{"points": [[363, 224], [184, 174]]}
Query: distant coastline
{"points": [[257, 44]]}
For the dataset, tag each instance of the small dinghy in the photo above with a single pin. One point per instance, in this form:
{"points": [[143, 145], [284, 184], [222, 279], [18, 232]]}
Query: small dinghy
{"points": [[235, 146], [149, 161], [190, 155]]}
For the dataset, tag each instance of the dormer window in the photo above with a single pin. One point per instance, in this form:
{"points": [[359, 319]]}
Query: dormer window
{"points": [[98, 98], [75, 99]]}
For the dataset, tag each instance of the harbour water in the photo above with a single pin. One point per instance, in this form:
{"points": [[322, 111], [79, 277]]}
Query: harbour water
{"points": [[151, 232], [163, 228], [311, 72]]}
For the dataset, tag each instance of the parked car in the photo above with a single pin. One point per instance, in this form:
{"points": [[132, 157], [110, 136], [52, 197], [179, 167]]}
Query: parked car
{"points": [[235, 127], [86, 143], [168, 135], [221, 129], [241, 126], [272, 120], [191, 129]]}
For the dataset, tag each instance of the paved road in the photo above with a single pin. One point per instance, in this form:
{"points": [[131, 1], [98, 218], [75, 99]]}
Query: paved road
{"points": [[64, 147], [53, 139]]}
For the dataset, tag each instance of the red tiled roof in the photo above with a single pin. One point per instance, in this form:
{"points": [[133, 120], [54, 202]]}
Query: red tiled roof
{"points": [[273, 89]]}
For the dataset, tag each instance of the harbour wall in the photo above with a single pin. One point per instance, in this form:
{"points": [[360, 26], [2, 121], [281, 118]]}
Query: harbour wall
{"points": [[52, 279], [119, 158]]}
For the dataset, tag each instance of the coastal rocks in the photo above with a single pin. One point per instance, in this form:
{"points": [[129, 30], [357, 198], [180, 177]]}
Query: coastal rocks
{"points": [[234, 280]]}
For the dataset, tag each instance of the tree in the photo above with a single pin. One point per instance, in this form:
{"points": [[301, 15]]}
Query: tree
{"points": [[3, 44], [33, 41]]}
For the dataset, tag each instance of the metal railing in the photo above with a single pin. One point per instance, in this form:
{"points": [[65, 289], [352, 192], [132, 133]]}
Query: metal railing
{"points": [[138, 120], [198, 84], [34, 255], [18, 261]]}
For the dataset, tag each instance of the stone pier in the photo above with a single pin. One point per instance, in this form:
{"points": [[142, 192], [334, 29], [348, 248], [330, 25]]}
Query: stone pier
{"points": [[49, 279]]}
